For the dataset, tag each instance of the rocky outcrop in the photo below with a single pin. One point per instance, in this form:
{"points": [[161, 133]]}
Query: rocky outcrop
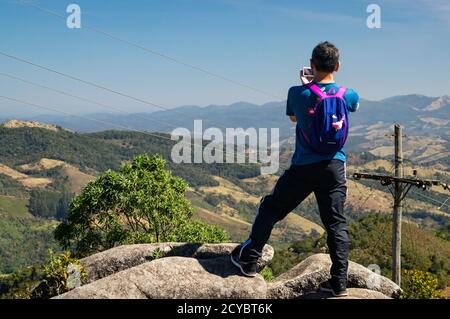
{"points": [[32, 124], [189, 271], [175, 277], [124, 257], [307, 276]]}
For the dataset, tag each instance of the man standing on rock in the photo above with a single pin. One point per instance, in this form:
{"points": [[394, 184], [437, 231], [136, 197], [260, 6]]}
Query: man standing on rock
{"points": [[320, 110]]}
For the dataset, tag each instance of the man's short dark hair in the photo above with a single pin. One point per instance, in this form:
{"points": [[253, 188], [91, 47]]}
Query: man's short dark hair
{"points": [[325, 57]]}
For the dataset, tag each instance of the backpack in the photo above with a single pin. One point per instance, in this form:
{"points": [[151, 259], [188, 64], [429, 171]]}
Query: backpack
{"points": [[329, 127]]}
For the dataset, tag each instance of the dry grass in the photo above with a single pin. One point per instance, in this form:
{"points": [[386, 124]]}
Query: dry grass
{"points": [[295, 221], [262, 183], [34, 124], [236, 228], [76, 179], [43, 164], [228, 188], [25, 180]]}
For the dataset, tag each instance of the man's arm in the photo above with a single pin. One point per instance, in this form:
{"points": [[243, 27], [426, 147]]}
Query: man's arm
{"points": [[289, 108]]}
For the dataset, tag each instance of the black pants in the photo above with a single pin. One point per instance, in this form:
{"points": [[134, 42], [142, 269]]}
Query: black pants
{"points": [[328, 182]]}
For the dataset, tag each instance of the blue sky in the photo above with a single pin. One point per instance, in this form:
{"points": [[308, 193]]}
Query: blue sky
{"points": [[257, 42]]}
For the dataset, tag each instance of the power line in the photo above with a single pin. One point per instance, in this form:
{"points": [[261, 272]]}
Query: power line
{"points": [[80, 116], [99, 86], [91, 101], [109, 123], [153, 52], [93, 84], [104, 88], [66, 75], [432, 199], [81, 98], [371, 191]]}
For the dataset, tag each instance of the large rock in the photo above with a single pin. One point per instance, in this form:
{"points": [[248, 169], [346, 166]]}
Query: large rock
{"points": [[116, 259], [119, 258], [189, 271], [307, 276], [174, 277]]}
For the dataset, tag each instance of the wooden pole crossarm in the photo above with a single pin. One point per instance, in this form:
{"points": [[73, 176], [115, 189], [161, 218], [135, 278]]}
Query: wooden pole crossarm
{"points": [[388, 180]]}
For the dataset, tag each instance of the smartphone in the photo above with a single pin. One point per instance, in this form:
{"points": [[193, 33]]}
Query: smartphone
{"points": [[307, 72]]}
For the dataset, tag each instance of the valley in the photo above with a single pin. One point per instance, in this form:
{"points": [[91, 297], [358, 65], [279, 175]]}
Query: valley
{"points": [[41, 169]]}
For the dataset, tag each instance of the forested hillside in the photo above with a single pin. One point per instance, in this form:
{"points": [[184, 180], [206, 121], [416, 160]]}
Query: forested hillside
{"points": [[41, 170]]}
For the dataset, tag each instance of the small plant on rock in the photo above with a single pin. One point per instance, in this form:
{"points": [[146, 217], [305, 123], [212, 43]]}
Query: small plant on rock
{"points": [[61, 274]]}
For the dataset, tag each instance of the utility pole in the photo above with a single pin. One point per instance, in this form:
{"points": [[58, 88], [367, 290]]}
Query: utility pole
{"points": [[401, 187], [397, 218]]}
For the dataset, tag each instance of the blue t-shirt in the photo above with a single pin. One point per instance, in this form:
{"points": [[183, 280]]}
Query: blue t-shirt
{"points": [[299, 99]]}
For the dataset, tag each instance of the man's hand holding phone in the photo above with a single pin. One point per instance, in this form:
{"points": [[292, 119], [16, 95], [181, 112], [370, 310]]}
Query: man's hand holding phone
{"points": [[306, 75]]}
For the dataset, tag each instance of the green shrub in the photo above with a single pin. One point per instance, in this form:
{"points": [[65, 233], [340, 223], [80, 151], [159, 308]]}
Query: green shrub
{"points": [[61, 274], [419, 285]]}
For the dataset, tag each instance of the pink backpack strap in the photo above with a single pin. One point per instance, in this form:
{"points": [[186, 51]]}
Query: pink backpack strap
{"points": [[316, 90], [340, 93]]}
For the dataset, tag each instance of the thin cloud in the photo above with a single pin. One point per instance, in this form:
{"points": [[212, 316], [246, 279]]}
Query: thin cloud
{"points": [[295, 13], [441, 8], [433, 9], [317, 15]]}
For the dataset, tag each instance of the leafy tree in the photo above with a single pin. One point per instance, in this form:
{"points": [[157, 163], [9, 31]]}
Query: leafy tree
{"points": [[143, 202]]}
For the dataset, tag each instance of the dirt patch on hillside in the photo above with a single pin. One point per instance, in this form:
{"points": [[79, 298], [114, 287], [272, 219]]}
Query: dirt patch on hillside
{"points": [[31, 124], [76, 179], [25, 180]]}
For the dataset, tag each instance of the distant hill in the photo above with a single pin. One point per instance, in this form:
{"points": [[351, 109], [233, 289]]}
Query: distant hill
{"points": [[420, 114], [426, 121]]}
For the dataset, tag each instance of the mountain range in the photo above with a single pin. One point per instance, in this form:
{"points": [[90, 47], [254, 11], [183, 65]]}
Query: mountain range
{"points": [[426, 122], [422, 114]]}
